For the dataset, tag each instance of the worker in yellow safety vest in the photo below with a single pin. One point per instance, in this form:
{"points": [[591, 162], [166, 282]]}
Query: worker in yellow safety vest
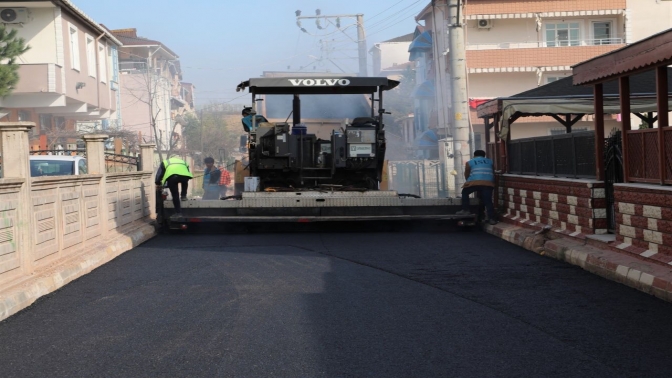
{"points": [[171, 172]]}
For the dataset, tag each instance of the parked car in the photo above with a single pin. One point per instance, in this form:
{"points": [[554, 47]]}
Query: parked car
{"points": [[57, 165]]}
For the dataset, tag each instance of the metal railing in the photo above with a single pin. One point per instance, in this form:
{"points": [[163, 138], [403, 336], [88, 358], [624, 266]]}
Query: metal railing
{"points": [[122, 163], [424, 178], [113, 162], [569, 155], [540, 44]]}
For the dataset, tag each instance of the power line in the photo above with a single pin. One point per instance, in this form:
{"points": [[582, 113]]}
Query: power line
{"points": [[388, 8], [392, 15], [390, 20], [391, 23]]}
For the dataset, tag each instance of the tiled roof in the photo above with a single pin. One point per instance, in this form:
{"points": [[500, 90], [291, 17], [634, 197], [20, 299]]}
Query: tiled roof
{"points": [[642, 83], [129, 38], [650, 52], [68, 4]]}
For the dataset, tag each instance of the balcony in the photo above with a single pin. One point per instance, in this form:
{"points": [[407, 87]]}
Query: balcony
{"points": [[39, 78], [530, 57], [550, 44]]}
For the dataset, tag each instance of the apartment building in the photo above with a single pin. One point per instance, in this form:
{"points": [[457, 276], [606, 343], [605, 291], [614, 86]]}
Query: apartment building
{"points": [[390, 57], [153, 97], [516, 45], [68, 75]]}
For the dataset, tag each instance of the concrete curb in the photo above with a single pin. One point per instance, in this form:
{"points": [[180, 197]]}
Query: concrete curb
{"points": [[28, 291], [648, 277]]}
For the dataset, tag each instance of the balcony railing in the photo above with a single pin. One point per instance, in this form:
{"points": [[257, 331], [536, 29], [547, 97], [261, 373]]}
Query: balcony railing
{"points": [[538, 44]]}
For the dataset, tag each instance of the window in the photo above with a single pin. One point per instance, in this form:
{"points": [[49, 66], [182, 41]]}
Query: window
{"points": [[82, 167], [48, 167], [45, 122], [477, 141], [113, 68], [102, 59], [551, 79], [563, 34], [24, 115], [602, 32], [91, 55], [74, 48]]}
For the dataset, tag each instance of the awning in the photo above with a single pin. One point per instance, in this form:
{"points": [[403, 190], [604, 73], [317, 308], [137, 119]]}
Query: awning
{"points": [[424, 90], [421, 44], [550, 106], [475, 102], [562, 97]]}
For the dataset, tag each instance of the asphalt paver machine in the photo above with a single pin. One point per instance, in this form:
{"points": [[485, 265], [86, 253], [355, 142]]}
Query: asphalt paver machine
{"points": [[296, 176]]}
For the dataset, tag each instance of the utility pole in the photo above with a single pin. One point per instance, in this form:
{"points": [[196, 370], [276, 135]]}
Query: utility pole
{"points": [[443, 97], [361, 44], [361, 32], [458, 84]]}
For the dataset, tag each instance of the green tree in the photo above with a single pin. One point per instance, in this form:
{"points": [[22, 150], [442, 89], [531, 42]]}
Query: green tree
{"points": [[11, 47], [211, 135]]}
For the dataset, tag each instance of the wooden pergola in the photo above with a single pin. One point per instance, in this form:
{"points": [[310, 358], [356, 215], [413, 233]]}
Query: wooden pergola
{"points": [[568, 103], [647, 154]]}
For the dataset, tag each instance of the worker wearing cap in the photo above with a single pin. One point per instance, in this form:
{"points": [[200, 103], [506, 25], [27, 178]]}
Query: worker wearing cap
{"points": [[480, 176], [172, 172], [247, 119]]}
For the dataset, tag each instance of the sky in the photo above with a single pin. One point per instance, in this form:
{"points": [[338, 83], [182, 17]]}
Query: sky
{"points": [[223, 42]]}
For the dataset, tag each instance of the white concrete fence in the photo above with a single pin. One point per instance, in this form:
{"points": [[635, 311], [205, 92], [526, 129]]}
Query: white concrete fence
{"points": [[55, 229]]}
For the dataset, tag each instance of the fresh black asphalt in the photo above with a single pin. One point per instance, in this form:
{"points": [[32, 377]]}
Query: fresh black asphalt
{"points": [[338, 304]]}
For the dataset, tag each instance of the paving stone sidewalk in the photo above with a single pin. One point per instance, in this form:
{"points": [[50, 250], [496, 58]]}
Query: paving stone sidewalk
{"points": [[646, 276]]}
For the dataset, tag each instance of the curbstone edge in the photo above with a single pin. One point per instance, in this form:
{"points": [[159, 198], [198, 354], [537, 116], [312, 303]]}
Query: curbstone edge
{"points": [[649, 278], [27, 292]]}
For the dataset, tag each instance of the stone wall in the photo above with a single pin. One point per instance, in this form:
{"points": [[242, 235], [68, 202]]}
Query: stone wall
{"points": [[54, 229], [572, 206], [10, 259], [644, 219], [128, 197]]}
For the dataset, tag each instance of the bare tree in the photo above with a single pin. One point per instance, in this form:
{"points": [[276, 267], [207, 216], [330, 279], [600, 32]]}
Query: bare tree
{"points": [[216, 134], [57, 133], [149, 87]]}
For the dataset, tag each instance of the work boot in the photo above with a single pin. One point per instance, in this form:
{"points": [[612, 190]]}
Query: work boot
{"points": [[183, 198], [463, 212], [493, 222]]}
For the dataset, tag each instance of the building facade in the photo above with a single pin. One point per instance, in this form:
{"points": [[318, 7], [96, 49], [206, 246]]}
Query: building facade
{"points": [[391, 56], [68, 75], [516, 45], [152, 94]]}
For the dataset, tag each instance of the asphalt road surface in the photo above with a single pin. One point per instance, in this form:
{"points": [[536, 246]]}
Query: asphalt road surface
{"points": [[385, 304]]}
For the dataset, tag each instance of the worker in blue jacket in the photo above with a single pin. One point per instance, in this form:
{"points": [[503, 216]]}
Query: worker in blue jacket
{"points": [[480, 176], [247, 119]]}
